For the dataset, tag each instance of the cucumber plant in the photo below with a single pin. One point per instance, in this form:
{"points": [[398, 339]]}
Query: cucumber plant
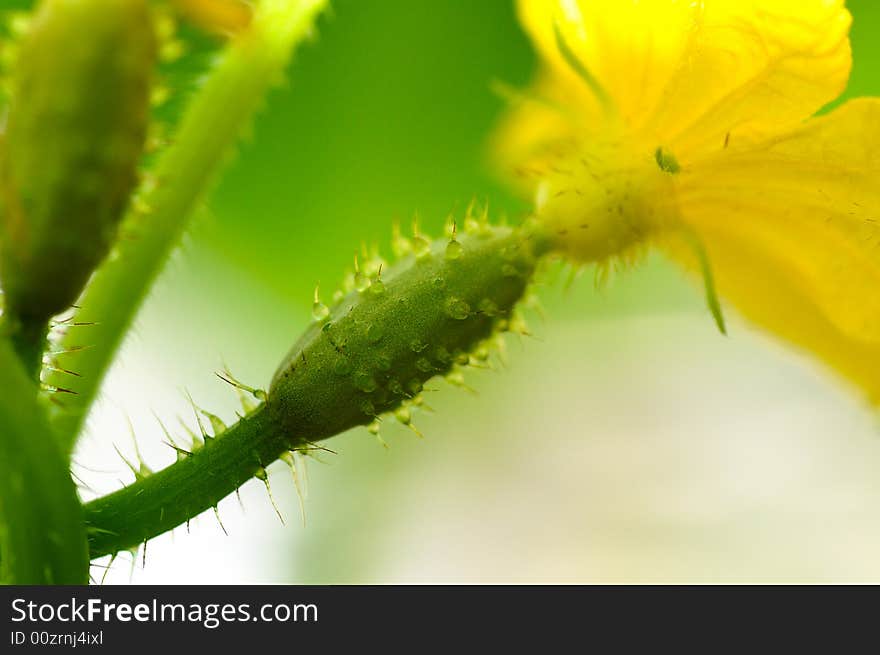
{"points": [[77, 168]]}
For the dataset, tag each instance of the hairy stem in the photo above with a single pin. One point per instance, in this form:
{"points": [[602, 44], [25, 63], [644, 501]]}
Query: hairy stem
{"points": [[213, 122], [42, 535], [164, 500]]}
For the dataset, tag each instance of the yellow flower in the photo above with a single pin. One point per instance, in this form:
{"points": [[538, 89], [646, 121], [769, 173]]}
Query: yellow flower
{"points": [[687, 125]]}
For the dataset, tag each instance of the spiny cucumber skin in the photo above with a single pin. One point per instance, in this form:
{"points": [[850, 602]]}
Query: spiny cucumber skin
{"points": [[376, 350], [76, 127], [312, 398]]}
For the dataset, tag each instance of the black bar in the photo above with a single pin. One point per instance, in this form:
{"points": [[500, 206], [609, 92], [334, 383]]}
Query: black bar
{"points": [[420, 618]]}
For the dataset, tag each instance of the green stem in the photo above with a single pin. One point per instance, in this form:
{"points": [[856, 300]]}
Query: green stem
{"points": [[42, 535], [162, 501], [28, 339], [214, 121]]}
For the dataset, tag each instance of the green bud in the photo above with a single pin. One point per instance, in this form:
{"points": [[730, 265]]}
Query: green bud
{"points": [[377, 351], [75, 132]]}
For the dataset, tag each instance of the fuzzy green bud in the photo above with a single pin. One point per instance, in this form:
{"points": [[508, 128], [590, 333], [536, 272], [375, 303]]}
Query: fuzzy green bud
{"points": [[75, 132]]}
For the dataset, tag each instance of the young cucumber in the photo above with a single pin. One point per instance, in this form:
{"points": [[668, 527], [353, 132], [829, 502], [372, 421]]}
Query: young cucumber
{"points": [[422, 317]]}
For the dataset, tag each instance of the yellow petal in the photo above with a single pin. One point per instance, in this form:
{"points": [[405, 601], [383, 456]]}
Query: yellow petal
{"points": [[792, 230], [631, 47], [689, 72], [222, 16], [755, 67]]}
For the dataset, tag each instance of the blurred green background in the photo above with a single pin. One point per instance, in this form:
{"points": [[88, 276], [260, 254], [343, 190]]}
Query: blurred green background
{"points": [[627, 442]]}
